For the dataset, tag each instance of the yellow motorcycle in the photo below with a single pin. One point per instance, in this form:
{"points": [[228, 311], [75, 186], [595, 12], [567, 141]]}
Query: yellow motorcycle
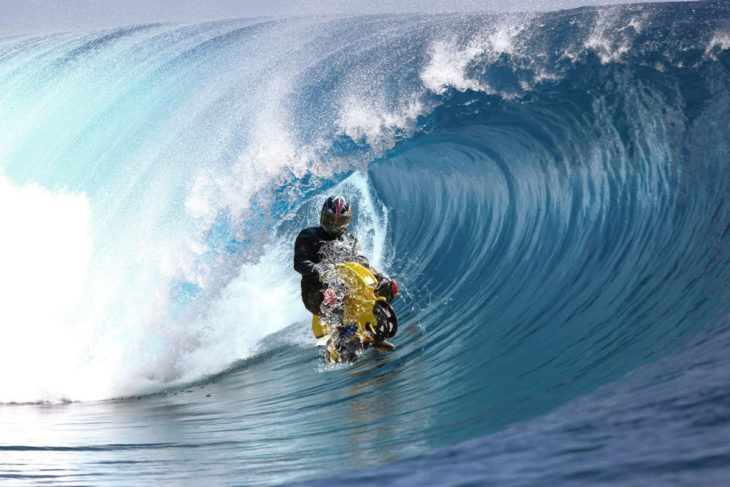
{"points": [[362, 318]]}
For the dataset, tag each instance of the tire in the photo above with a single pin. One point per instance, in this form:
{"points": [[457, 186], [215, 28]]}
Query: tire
{"points": [[387, 321]]}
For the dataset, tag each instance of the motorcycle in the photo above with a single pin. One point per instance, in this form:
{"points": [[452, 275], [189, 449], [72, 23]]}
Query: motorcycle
{"points": [[357, 314]]}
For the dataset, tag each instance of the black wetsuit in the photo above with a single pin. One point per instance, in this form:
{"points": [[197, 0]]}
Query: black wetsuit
{"points": [[315, 251]]}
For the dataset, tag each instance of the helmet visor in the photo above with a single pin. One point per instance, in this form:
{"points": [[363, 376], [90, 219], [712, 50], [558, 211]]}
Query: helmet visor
{"points": [[333, 222]]}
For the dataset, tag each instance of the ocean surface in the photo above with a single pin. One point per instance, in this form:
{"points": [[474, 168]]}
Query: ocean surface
{"points": [[551, 191]]}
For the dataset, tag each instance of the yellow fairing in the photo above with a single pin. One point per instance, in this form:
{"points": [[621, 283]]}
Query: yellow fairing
{"points": [[359, 300], [318, 327]]}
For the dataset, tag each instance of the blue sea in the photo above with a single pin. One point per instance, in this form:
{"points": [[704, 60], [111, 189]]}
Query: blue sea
{"points": [[550, 190]]}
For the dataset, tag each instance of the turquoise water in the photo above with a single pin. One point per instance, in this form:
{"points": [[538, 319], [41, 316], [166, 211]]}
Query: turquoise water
{"points": [[550, 191]]}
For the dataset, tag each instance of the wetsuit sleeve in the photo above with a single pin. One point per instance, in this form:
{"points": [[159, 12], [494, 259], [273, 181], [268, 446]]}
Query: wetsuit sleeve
{"points": [[304, 252]]}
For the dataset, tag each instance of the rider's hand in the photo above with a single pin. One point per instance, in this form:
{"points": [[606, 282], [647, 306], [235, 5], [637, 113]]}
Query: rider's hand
{"points": [[329, 297]]}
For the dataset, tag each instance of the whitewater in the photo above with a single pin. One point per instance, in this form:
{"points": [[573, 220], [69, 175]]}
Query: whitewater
{"points": [[551, 191]]}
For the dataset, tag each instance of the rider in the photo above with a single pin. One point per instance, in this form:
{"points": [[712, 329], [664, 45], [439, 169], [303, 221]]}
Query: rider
{"points": [[319, 249]]}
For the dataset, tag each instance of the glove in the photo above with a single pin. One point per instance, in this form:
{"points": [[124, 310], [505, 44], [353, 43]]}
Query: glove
{"points": [[329, 297]]}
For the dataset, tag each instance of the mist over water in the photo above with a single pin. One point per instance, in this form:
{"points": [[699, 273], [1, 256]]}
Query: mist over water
{"points": [[44, 16]]}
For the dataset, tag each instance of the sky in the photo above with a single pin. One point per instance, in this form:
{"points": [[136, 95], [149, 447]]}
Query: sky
{"points": [[43, 16]]}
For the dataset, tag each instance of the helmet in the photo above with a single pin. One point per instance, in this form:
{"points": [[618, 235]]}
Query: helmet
{"points": [[336, 215]]}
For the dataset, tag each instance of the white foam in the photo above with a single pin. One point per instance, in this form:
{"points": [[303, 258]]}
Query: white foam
{"points": [[90, 316], [612, 37], [720, 40], [447, 68], [449, 61], [373, 120], [44, 256], [368, 120]]}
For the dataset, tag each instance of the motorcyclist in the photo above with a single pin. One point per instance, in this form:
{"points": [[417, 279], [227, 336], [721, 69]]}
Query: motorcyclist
{"points": [[318, 249]]}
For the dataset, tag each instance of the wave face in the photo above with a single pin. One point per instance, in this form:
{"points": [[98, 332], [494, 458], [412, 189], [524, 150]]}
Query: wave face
{"points": [[550, 190]]}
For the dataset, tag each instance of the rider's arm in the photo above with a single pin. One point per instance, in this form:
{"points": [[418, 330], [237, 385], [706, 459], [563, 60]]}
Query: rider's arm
{"points": [[305, 249]]}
